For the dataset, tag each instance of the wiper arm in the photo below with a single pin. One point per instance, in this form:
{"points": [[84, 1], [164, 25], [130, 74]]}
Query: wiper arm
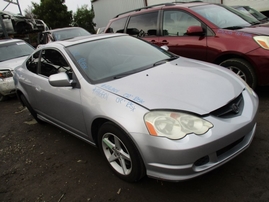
{"points": [[165, 60], [256, 23], [233, 27], [122, 75]]}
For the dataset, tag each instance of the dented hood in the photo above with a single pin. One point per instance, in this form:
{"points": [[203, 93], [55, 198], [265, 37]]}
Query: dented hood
{"points": [[12, 63], [182, 84]]}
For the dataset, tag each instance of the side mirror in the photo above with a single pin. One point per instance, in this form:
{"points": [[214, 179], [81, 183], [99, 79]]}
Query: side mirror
{"points": [[60, 80], [195, 30]]}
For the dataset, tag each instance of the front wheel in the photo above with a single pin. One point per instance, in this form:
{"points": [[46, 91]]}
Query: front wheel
{"points": [[30, 109], [243, 69], [121, 154], [2, 98]]}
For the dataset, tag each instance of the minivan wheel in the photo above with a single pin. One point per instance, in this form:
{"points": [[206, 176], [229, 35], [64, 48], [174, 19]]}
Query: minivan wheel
{"points": [[30, 109], [243, 69], [121, 154]]}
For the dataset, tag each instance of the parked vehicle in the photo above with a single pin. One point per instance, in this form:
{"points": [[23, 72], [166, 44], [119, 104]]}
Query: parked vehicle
{"points": [[253, 13], [61, 34], [149, 111], [13, 53], [18, 24], [210, 32], [100, 30]]}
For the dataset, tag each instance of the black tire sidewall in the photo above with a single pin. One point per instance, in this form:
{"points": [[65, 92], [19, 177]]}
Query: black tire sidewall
{"points": [[30, 109], [138, 170], [2, 98]]}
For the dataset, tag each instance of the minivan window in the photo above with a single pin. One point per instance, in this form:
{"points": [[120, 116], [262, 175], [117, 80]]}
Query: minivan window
{"points": [[143, 25], [225, 17], [176, 23], [117, 26]]}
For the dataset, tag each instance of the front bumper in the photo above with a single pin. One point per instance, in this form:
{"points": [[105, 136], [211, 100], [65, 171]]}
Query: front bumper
{"points": [[7, 86], [183, 159]]}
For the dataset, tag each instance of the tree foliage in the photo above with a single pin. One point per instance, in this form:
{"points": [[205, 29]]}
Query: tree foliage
{"points": [[53, 12], [84, 18], [29, 12]]}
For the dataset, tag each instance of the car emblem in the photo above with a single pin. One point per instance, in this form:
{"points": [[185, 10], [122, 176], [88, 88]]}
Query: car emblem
{"points": [[235, 108]]}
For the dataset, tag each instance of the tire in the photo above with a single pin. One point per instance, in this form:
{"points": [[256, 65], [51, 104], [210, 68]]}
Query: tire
{"points": [[243, 69], [121, 154], [2, 98], [30, 109]]}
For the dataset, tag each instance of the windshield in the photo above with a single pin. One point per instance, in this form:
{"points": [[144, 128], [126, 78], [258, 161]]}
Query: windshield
{"points": [[252, 13], [14, 50], [112, 58], [69, 34], [225, 16]]}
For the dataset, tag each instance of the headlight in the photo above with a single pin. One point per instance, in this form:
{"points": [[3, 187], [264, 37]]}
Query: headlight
{"points": [[263, 41], [174, 125], [5, 74]]}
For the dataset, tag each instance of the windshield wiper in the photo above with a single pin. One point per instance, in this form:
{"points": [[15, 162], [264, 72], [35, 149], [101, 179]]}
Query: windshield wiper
{"points": [[138, 70], [233, 27], [122, 75], [255, 23], [165, 60]]}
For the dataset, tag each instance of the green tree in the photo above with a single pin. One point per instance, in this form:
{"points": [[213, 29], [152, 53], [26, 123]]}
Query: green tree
{"points": [[53, 12], [84, 18]]}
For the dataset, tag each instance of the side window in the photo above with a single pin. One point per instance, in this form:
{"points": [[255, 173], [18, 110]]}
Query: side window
{"points": [[117, 26], [176, 23], [32, 62], [143, 25], [52, 62]]}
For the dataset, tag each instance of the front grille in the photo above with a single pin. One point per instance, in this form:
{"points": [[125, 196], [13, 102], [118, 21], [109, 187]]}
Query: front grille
{"points": [[202, 161], [230, 146], [232, 109]]}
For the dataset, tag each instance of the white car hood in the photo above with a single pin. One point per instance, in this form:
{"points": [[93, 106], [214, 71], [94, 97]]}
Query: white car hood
{"points": [[183, 84], [11, 64]]}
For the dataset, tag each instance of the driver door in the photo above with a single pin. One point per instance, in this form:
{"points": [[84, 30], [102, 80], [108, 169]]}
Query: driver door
{"points": [[61, 105]]}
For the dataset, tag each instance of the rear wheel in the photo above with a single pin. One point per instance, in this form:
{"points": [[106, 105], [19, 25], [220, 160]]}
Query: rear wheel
{"points": [[31, 110], [243, 69], [120, 152]]}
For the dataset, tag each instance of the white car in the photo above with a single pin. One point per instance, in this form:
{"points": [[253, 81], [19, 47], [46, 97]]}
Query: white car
{"points": [[13, 53]]}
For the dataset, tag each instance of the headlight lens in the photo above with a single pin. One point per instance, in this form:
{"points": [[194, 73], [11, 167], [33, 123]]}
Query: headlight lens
{"points": [[5, 74], [263, 41], [175, 125]]}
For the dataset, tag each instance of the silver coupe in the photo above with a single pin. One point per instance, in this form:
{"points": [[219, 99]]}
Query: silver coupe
{"points": [[149, 111]]}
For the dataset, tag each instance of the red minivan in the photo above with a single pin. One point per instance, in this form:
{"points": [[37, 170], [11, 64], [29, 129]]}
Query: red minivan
{"points": [[210, 32]]}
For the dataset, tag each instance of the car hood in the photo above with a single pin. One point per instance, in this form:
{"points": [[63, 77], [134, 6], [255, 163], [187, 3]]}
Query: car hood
{"points": [[183, 84], [261, 29], [12, 63]]}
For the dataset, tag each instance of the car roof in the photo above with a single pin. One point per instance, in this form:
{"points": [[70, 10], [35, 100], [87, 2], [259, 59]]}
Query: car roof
{"points": [[162, 5], [82, 39], [6, 41]]}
